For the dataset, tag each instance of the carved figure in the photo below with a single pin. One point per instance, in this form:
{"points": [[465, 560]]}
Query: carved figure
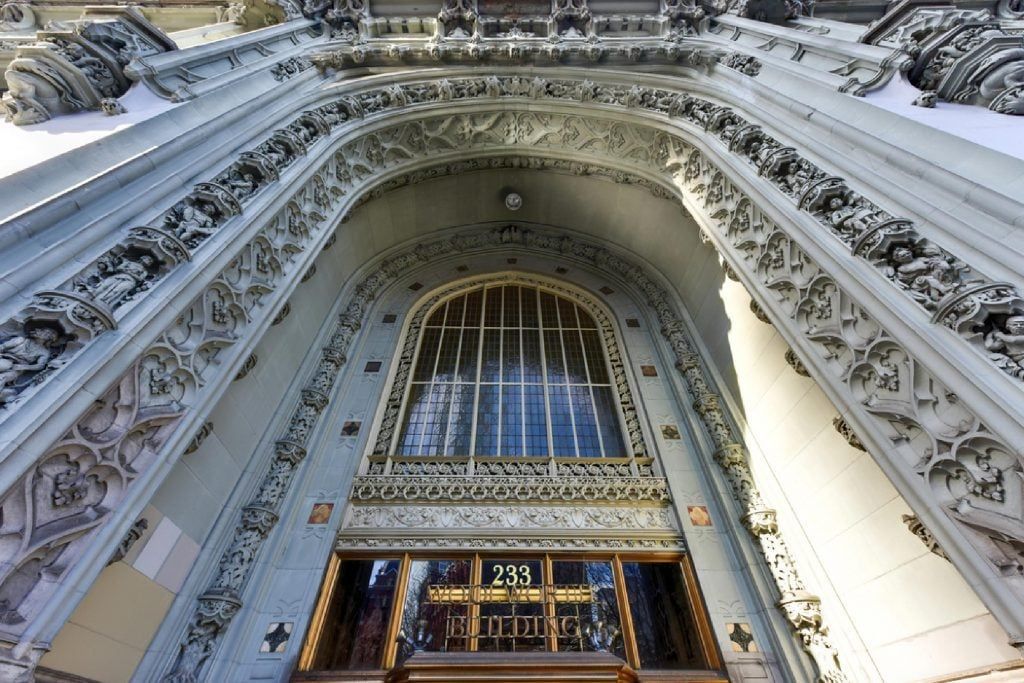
{"points": [[242, 185], [190, 223], [25, 354], [1007, 345], [120, 278], [111, 107], [926, 99], [850, 219], [928, 275]]}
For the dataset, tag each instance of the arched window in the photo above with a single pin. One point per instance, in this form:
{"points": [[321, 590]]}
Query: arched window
{"points": [[511, 370]]}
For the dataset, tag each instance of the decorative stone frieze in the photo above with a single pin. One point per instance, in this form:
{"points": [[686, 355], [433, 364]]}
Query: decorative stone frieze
{"points": [[130, 538], [962, 56], [75, 66], [503, 518], [918, 528], [636, 491], [846, 431], [290, 68], [498, 542], [199, 438], [794, 362]]}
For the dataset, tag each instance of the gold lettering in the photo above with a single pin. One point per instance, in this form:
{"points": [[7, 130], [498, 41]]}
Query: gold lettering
{"points": [[570, 627], [456, 627]]}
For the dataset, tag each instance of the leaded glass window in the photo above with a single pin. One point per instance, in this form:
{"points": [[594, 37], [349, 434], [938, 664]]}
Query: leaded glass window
{"points": [[511, 370]]}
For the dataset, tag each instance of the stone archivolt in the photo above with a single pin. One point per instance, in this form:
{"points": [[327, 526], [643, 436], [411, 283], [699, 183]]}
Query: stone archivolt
{"points": [[973, 473], [221, 601]]}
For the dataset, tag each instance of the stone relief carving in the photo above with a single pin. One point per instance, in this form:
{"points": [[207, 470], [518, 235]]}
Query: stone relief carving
{"points": [[961, 56], [972, 309], [918, 528], [76, 65], [130, 538], [247, 366], [87, 473], [199, 438], [519, 488], [290, 68], [503, 518], [377, 542]]}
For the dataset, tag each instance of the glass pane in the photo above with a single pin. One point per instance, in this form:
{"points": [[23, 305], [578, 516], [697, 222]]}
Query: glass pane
{"points": [[529, 307], [491, 356], [548, 310], [587, 620], [511, 421], [356, 623], [511, 306], [436, 318], [609, 424], [561, 421], [586, 320], [448, 356], [461, 426], [487, 420], [574, 357], [437, 420], [512, 620], [536, 422], [474, 300], [468, 356], [595, 358], [455, 308], [492, 308], [566, 313], [665, 634], [432, 615], [586, 427], [553, 352], [428, 354], [532, 370], [511, 356], [415, 414]]}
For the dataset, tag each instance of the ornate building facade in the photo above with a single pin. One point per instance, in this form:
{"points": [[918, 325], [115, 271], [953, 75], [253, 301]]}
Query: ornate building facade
{"points": [[464, 340]]}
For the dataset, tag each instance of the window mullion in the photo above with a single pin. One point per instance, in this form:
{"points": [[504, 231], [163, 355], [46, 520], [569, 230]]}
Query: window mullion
{"points": [[479, 369], [590, 385], [501, 364], [433, 375], [544, 374], [568, 383], [455, 377], [522, 380]]}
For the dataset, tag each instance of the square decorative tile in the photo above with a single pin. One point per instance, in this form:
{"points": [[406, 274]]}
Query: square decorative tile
{"points": [[511, 261], [389, 319], [351, 428], [416, 286], [373, 366], [276, 637], [606, 290], [632, 322], [670, 432], [561, 270], [320, 513], [462, 269], [742, 638], [648, 371], [699, 515]]}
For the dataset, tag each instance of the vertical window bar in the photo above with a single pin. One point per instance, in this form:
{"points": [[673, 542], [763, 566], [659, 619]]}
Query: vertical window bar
{"points": [[433, 374], [590, 385], [568, 392], [456, 385]]}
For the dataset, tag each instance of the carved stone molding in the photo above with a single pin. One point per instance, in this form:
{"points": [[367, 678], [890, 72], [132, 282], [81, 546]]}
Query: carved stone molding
{"points": [[199, 438], [509, 519], [918, 528], [845, 431], [247, 366], [795, 363], [636, 491], [130, 538], [78, 65], [498, 542]]}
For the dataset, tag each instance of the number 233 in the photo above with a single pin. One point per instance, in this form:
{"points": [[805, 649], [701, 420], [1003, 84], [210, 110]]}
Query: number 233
{"points": [[511, 575]]}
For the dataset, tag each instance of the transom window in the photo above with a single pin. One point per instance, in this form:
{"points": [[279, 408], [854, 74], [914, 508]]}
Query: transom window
{"points": [[511, 370]]}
